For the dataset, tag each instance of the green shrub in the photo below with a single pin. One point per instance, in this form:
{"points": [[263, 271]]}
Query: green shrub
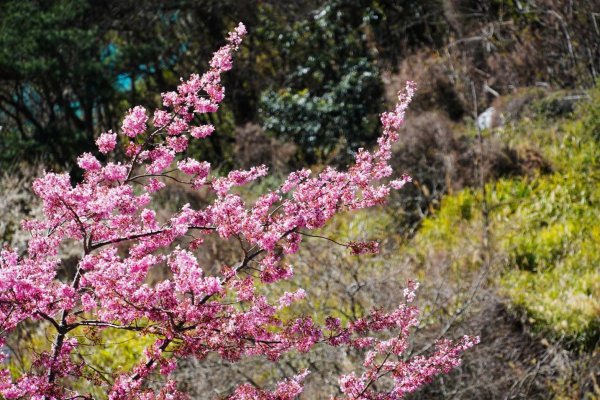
{"points": [[545, 229]]}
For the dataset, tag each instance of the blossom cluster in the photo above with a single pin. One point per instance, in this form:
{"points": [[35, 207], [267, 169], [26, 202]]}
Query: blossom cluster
{"points": [[109, 213]]}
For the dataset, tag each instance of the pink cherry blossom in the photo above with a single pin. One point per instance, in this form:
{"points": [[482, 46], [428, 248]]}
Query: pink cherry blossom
{"points": [[399, 183], [122, 239], [177, 144], [200, 132], [161, 118], [135, 121], [88, 162], [106, 142], [114, 172], [161, 157], [191, 166]]}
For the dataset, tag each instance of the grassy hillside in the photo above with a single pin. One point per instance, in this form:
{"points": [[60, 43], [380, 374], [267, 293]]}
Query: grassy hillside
{"points": [[542, 258], [544, 228]]}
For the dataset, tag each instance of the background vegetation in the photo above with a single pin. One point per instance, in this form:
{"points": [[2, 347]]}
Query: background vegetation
{"points": [[501, 225]]}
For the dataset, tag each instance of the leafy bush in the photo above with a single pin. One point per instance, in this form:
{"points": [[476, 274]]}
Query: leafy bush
{"points": [[321, 123]]}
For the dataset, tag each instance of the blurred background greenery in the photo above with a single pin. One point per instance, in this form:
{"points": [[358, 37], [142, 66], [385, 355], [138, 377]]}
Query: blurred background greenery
{"points": [[501, 225]]}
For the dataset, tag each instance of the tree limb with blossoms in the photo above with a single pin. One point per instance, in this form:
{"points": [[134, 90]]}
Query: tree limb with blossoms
{"points": [[192, 314]]}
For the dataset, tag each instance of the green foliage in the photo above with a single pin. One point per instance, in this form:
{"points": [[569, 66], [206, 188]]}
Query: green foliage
{"points": [[49, 64], [550, 254], [110, 352], [105, 353], [70, 68], [545, 230], [317, 123], [333, 89]]}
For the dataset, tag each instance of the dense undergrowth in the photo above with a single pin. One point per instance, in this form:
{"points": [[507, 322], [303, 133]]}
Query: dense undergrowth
{"points": [[544, 228]]}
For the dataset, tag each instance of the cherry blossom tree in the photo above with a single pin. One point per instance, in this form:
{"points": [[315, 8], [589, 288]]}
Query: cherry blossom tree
{"points": [[190, 313]]}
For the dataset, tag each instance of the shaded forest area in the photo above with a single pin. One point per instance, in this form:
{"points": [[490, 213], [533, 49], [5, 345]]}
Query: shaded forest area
{"points": [[68, 69], [500, 226]]}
